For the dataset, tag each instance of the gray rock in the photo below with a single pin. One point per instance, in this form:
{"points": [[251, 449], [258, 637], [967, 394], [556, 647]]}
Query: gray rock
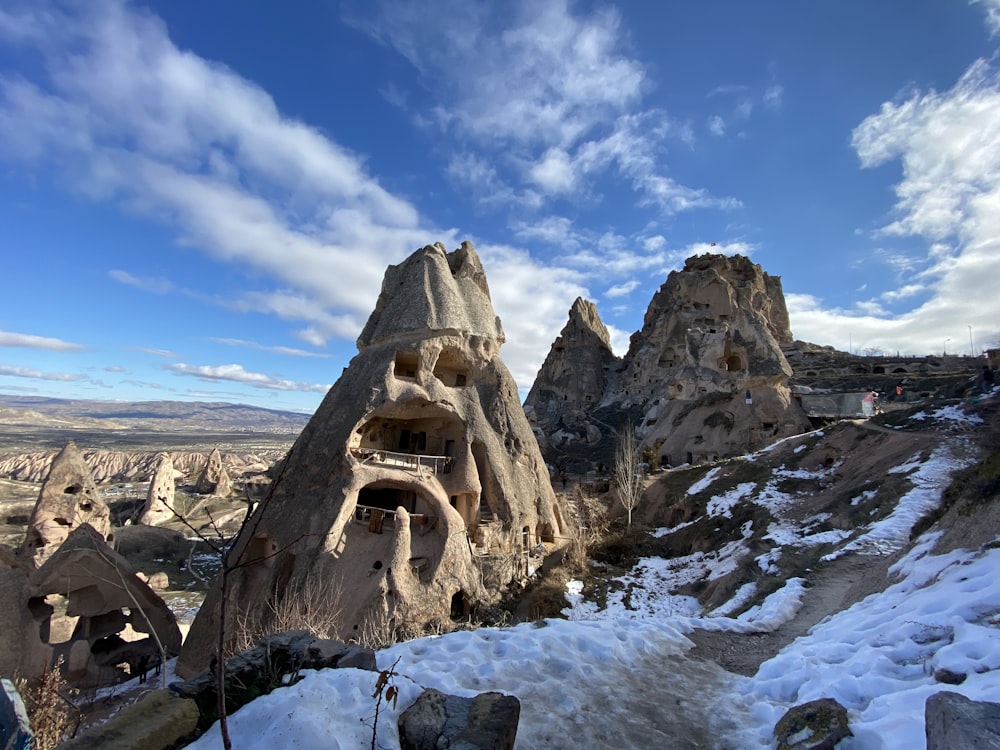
{"points": [[15, 730], [436, 720], [266, 666], [816, 725], [953, 721]]}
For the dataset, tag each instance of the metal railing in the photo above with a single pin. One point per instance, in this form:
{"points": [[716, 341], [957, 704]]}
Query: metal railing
{"points": [[410, 461]]}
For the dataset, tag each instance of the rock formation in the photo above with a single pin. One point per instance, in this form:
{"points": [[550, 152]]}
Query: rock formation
{"points": [[707, 366], [87, 605], [214, 480], [67, 500], [573, 379], [703, 379], [125, 466], [159, 507], [416, 481]]}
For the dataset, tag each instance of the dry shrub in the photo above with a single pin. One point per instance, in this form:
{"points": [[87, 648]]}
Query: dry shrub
{"points": [[48, 701], [547, 598], [313, 605], [378, 630], [589, 528]]}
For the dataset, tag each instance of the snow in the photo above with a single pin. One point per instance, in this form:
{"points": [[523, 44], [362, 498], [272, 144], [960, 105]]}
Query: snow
{"points": [[722, 505], [617, 675], [930, 478]]}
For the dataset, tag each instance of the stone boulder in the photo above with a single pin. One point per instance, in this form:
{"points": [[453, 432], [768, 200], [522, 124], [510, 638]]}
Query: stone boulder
{"points": [[951, 721], [214, 479], [418, 468], [67, 500], [259, 670], [816, 725], [159, 507], [436, 720]]}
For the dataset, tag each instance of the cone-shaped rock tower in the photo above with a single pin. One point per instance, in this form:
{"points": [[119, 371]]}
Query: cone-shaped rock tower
{"points": [[417, 486]]}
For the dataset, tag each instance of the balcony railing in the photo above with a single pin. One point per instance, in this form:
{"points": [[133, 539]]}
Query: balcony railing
{"points": [[410, 461]]}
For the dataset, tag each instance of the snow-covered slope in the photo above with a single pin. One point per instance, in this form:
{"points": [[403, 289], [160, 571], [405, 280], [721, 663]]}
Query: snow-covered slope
{"points": [[624, 673]]}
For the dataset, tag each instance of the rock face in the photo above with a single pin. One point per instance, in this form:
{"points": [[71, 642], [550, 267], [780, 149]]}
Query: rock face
{"points": [[574, 377], [67, 500], [951, 720], [87, 605], [707, 366], [705, 378], [159, 506], [121, 466], [214, 480], [416, 481]]}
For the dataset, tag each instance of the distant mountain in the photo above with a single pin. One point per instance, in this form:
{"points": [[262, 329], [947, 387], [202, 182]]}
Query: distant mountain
{"points": [[148, 415]]}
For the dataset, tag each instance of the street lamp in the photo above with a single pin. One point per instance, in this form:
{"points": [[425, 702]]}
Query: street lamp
{"points": [[944, 348]]}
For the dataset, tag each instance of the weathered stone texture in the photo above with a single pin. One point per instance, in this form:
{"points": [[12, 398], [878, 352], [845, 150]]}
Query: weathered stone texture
{"points": [[418, 460], [87, 605], [816, 725], [159, 507], [573, 378], [68, 499], [437, 720], [214, 479], [704, 378], [952, 721]]}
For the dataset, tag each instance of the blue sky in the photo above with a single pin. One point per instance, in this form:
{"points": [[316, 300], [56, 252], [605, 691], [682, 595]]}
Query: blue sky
{"points": [[198, 200]]}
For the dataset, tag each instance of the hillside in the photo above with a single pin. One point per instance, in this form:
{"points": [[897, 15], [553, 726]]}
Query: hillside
{"points": [[856, 562], [37, 411]]}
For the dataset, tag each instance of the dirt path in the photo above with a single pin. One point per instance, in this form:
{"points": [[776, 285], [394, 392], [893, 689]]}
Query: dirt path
{"points": [[832, 588]]}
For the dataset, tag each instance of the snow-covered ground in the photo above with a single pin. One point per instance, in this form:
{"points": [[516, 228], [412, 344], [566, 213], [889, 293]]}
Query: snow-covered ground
{"points": [[617, 676]]}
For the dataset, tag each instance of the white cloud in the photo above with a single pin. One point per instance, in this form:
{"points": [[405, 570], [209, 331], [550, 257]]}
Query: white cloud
{"points": [[992, 9], [948, 144], [287, 350], [549, 90], [29, 341], [773, 97], [554, 173], [910, 290], [716, 125], [127, 116], [235, 373], [155, 352], [154, 285], [15, 371], [515, 276], [622, 290]]}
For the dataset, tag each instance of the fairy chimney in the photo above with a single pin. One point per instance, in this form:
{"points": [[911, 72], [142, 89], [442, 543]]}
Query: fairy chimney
{"points": [[416, 480], [159, 507], [707, 369], [214, 479], [573, 379], [68, 498]]}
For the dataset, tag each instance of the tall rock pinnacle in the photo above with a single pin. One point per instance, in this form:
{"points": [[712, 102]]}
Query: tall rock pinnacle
{"points": [[417, 487]]}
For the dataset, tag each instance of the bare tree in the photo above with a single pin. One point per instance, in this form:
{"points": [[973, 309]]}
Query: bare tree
{"points": [[628, 473]]}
